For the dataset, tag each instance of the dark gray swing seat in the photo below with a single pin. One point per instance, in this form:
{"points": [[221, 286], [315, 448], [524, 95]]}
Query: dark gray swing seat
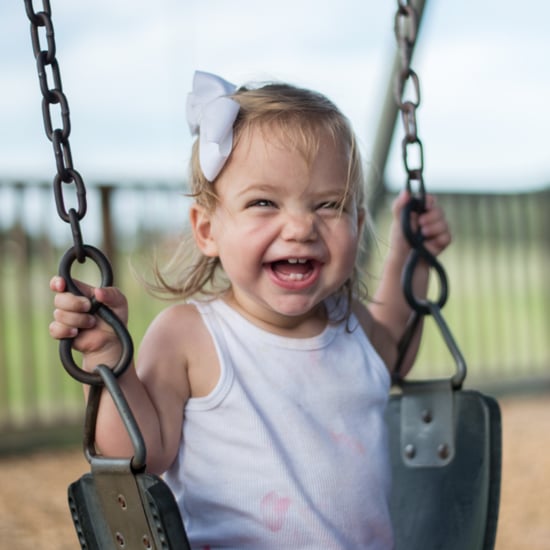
{"points": [[118, 505], [445, 449]]}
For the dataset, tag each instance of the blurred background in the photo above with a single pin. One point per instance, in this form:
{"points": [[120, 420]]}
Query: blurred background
{"points": [[126, 69]]}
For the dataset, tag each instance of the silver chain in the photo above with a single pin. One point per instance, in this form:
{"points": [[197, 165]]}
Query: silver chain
{"points": [[406, 31]]}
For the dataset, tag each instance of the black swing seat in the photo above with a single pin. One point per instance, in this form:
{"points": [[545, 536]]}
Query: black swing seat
{"points": [[113, 508], [445, 446]]}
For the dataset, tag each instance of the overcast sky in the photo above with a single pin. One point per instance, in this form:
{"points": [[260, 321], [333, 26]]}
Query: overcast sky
{"points": [[127, 66]]}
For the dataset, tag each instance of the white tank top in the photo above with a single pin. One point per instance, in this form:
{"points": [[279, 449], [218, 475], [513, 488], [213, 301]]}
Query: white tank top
{"points": [[289, 450]]}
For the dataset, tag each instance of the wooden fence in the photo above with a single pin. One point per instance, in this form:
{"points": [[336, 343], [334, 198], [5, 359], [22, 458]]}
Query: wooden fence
{"points": [[499, 306]]}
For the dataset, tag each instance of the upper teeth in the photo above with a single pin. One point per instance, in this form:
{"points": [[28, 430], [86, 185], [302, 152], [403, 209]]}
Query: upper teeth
{"points": [[297, 260]]}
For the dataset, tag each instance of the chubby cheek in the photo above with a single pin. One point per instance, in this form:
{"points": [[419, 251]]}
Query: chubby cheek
{"points": [[344, 235], [348, 258], [227, 227], [241, 251], [345, 250]]}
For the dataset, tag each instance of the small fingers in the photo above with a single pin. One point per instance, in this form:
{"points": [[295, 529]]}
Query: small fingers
{"points": [[399, 202], [59, 331], [114, 299], [70, 302], [57, 284], [70, 315], [67, 324], [436, 245], [110, 296], [75, 320], [433, 226], [432, 223], [435, 230]]}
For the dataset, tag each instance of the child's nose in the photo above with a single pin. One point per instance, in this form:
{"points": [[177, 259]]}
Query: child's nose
{"points": [[299, 226]]}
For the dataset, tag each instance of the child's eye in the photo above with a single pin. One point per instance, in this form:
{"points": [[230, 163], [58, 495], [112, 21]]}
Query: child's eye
{"points": [[330, 205], [261, 203]]}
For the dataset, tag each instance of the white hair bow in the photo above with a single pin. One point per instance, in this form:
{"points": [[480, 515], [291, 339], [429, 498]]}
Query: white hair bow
{"points": [[211, 115]]}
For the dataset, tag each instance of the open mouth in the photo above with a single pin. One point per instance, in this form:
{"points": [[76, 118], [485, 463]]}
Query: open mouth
{"points": [[294, 269]]}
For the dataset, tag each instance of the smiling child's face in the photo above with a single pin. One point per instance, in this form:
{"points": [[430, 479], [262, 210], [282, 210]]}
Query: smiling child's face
{"points": [[285, 231]]}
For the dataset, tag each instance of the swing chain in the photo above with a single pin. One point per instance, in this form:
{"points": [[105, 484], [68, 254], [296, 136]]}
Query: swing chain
{"points": [[49, 77], [406, 31], [48, 67]]}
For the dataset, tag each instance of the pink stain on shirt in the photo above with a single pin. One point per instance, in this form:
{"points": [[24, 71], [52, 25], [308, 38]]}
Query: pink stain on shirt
{"points": [[349, 442], [273, 509]]}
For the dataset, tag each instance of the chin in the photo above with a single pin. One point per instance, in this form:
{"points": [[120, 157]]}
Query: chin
{"points": [[297, 307]]}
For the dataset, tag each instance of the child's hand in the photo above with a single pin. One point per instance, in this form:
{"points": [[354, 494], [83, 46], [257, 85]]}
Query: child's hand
{"points": [[432, 223], [92, 336]]}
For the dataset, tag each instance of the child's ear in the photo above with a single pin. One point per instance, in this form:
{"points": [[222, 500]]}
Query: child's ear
{"points": [[202, 230]]}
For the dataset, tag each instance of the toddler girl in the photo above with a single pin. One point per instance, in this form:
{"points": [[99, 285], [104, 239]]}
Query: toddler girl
{"points": [[261, 394]]}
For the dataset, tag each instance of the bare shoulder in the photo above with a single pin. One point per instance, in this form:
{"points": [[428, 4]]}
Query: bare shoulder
{"points": [[179, 344], [378, 335], [171, 329]]}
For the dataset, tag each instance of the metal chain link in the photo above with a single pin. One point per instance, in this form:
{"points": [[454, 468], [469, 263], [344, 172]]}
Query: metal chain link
{"points": [[53, 97], [406, 32]]}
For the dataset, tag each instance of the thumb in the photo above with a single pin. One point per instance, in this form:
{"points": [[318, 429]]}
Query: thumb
{"points": [[110, 296], [399, 202], [113, 298]]}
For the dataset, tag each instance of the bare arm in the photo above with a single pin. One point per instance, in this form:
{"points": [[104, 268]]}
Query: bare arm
{"points": [[389, 308], [156, 391]]}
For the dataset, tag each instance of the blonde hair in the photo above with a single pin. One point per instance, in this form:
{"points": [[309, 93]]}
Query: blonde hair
{"points": [[302, 118]]}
